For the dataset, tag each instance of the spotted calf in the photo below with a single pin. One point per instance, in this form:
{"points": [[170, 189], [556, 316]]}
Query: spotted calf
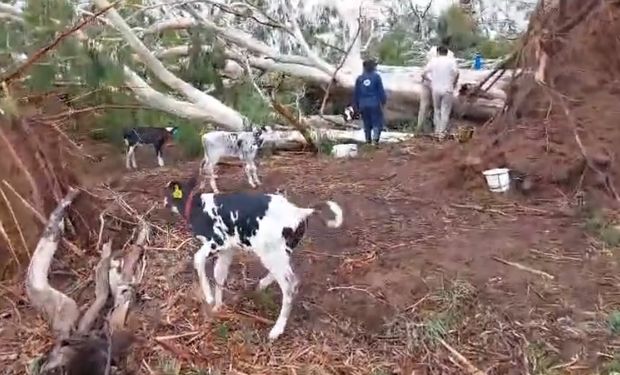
{"points": [[244, 145], [267, 225], [146, 136]]}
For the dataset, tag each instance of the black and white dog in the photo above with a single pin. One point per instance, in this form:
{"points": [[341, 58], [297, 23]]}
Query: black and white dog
{"points": [[244, 145], [146, 136], [349, 114], [267, 225]]}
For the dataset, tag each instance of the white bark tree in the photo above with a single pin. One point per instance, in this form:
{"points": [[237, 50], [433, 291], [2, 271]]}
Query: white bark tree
{"points": [[301, 60]]}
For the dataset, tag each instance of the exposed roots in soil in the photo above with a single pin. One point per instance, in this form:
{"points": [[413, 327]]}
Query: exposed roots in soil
{"points": [[561, 112]]}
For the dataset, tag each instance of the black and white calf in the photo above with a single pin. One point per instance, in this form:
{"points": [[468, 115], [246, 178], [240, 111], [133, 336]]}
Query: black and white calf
{"points": [[146, 136], [244, 145], [349, 114], [267, 225]]}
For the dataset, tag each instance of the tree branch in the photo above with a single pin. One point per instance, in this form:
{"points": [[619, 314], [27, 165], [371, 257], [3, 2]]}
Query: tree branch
{"points": [[214, 109], [60, 310], [102, 289], [40, 53]]}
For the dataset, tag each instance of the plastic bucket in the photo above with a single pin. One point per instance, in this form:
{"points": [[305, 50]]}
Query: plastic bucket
{"points": [[344, 151], [498, 179]]}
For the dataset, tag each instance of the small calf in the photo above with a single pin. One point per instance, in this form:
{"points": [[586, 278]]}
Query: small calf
{"points": [[350, 114], [267, 225], [244, 145], [146, 136]]}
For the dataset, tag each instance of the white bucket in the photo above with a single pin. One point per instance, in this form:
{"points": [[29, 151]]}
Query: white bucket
{"points": [[498, 179], [344, 151]]}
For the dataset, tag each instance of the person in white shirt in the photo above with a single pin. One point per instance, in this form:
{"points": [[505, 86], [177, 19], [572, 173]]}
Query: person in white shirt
{"points": [[432, 53], [425, 95], [443, 74]]}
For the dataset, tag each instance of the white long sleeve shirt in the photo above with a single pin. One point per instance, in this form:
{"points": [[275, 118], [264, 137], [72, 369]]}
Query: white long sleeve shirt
{"points": [[442, 71], [432, 53]]}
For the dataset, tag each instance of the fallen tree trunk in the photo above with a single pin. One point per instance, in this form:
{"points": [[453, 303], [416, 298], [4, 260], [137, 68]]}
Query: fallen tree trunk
{"points": [[402, 84], [294, 140]]}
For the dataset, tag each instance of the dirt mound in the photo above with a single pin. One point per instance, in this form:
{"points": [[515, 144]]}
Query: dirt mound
{"points": [[539, 132], [35, 174]]}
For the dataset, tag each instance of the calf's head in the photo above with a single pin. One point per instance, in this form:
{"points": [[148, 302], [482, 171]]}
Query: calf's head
{"points": [[176, 195], [260, 134]]}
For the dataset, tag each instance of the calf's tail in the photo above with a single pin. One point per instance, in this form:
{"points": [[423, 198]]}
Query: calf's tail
{"points": [[335, 210]]}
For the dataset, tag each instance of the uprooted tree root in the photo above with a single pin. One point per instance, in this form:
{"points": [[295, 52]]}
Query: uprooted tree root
{"points": [[559, 125], [37, 176], [38, 166], [82, 347]]}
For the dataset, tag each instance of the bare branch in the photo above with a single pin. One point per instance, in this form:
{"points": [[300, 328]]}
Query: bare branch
{"points": [[14, 217], [213, 109], [172, 24], [60, 310], [155, 99], [122, 277], [314, 57], [102, 289], [36, 194], [76, 250], [344, 59], [245, 40], [40, 53]]}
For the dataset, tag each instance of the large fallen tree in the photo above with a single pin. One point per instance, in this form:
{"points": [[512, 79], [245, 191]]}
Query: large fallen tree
{"points": [[401, 83]]}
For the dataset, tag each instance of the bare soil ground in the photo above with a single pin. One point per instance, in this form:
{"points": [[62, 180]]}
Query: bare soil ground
{"points": [[417, 264]]}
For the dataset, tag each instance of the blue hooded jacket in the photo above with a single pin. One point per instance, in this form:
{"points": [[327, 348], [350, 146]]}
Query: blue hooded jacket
{"points": [[369, 92]]}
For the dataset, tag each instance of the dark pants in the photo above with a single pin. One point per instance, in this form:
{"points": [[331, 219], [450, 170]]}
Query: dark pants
{"points": [[373, 123]]}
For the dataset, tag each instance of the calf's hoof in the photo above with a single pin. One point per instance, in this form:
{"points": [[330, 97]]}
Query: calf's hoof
{"points": [[275, 333]]}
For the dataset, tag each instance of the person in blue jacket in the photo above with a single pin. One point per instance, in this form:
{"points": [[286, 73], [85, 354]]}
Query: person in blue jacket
{"points": [[369, 99], [478, 61]]}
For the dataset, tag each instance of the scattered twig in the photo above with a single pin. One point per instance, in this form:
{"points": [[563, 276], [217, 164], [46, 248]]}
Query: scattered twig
{"points": [[524, 268], [479, 209], [555, 257], [565, 365], [178, 336], [9, 244], [36, 194], [42, 219], [418, 303], [471, 369], [15, 221], [356, 289]]}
